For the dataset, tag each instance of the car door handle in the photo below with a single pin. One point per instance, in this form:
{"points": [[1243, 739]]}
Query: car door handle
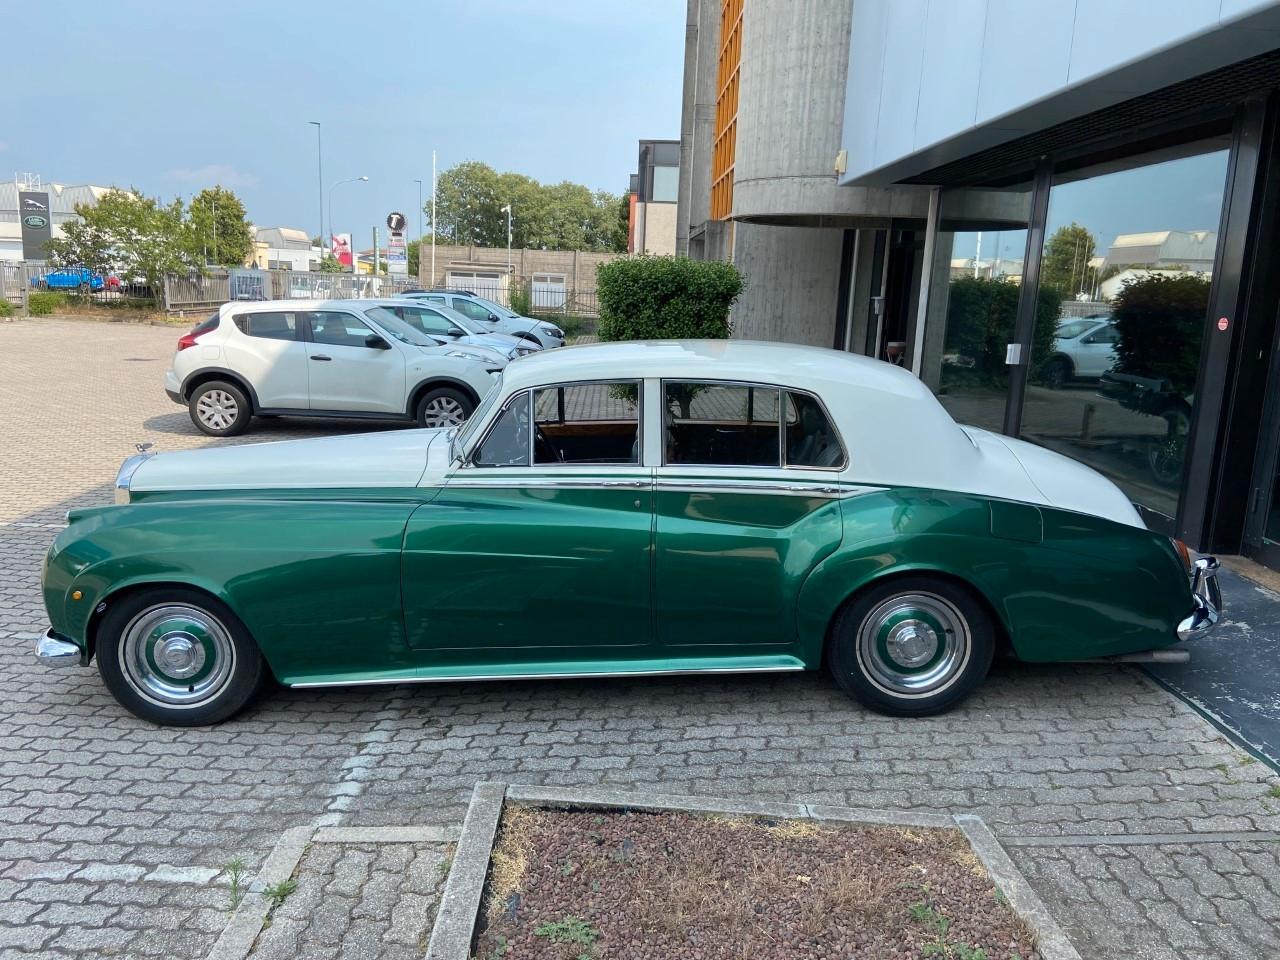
{"points": [[624, 483], [320, 356]]}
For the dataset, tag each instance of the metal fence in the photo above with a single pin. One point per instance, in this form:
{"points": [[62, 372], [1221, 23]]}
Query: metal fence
{"points": [[19, 278]]}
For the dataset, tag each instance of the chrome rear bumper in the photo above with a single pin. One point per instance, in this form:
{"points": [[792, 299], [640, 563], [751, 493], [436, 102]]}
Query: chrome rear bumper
{"points": [[56, 652], [1206, 597]]}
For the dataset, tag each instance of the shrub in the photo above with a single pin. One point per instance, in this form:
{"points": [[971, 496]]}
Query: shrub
{"points": [[521, 299], [980, 319], [6, 308], [1160, 320], [45, 302], [661, 298]]}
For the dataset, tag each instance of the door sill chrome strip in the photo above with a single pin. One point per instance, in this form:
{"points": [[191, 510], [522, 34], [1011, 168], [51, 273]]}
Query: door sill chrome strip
{"points": [[593, 674]]}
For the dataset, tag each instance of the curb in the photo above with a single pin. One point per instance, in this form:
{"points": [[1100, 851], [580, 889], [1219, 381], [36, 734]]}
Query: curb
{"points": [[459, 911]]}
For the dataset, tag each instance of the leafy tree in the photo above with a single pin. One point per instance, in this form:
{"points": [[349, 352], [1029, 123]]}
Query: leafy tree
{"points": [[219, 228], [656, 298], [329, 264], [139, 236], [563, 216], [1065, 266]]}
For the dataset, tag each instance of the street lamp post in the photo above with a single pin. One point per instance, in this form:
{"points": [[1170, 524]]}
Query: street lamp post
{"points": [[338, 184], [319, 183]]}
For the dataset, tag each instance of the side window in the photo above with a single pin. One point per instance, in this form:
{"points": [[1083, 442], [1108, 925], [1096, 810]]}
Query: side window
{"points": [[428, 321], [338, 329], [811, 441], [470, 309], [1107, 334], [587, 423], [722, 424], [507, 443], [273, 325]]}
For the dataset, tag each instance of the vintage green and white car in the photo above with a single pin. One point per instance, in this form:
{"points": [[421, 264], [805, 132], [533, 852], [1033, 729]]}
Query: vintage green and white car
{"points": [[620, 510]]}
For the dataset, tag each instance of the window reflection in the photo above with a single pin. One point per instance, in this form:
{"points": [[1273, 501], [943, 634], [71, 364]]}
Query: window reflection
{"points": [[973, 302], [1127, 265]]}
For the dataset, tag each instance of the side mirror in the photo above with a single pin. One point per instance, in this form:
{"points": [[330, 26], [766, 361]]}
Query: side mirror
{"points": [[493, 318], [454, 333], [376, 342]]}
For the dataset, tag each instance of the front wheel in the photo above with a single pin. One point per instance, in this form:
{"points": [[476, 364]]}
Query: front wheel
{"points": [[178, 657], [912, 646], [444, 407]]}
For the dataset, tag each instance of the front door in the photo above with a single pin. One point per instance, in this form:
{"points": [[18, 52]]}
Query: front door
{"points": [[539, 548], [352, 367], [746, 504]]}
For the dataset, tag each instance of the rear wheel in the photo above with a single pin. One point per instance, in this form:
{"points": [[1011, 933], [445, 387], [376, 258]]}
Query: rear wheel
{"points": [[444, 407], [219, 409], [178, 657], [912, 646], [1057, 373]]}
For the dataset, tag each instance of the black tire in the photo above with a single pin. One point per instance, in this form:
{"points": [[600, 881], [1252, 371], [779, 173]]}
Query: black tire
{"points": [[935, 619], [443, 407], [1057, 373], [216, 665], [219, 409]]}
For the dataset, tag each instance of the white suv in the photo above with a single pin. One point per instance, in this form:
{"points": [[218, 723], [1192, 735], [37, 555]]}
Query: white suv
{"points": [[322, 358]]}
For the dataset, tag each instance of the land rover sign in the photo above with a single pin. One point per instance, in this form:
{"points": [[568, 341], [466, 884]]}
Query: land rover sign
{"points": [[36, 229]]}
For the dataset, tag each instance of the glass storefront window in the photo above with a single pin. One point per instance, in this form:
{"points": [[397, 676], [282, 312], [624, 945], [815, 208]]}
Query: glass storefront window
{"points": [[1124, 290], [973, 301]]}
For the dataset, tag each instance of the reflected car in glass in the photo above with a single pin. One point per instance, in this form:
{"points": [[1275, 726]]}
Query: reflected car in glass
{"points": [[620, 510], [1083, 349]]}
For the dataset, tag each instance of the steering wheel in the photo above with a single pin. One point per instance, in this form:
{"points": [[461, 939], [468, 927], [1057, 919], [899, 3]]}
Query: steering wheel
{"points": [[541, 438]]}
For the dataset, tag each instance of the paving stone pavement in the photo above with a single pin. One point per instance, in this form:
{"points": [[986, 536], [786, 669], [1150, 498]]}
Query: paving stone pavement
{"points": [[1142, 829], [358, 900]]}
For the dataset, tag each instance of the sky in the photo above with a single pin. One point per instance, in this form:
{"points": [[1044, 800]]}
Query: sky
{"points": [[170, 97], [1181, 194]]}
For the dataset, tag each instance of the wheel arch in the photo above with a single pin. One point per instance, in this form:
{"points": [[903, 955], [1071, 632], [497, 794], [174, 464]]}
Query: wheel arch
{"points": [[203, 375], [430, 383], [1003, 639]]}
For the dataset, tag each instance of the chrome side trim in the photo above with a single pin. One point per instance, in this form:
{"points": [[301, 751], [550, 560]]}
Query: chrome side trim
{"points": [[540, 483], [56, 652], [124, 476], [479, 677], [672, 485]]}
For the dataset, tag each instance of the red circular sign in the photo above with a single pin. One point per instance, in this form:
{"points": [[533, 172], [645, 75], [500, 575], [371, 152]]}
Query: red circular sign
{"points": [[1222, 323]]}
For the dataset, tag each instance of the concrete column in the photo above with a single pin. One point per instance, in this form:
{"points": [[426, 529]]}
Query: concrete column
{"points": [[790, 283]]}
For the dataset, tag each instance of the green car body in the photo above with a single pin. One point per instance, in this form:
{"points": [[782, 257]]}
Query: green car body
{"points": [[570, 569]]}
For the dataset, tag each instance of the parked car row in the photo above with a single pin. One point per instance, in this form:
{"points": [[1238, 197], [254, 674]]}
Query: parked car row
{"points": [[607, 510]]}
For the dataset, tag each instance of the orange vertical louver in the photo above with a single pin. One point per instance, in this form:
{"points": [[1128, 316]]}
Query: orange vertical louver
{"points": [[726, 139]]}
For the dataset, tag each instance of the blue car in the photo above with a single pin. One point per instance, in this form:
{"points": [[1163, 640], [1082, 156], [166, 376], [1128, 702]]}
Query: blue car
{"points": [[70, 279]]}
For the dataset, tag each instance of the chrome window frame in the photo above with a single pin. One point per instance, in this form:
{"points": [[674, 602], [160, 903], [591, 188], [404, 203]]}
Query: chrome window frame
{"points": [[782, 425], [469, 458]]}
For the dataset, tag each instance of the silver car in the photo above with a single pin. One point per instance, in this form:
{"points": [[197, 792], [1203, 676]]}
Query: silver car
{"points": [[447, 326], [493, 316]]}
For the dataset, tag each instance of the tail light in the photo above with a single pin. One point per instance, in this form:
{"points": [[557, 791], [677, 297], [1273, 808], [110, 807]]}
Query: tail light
{"points": [[1184, 553], [187, 340]]}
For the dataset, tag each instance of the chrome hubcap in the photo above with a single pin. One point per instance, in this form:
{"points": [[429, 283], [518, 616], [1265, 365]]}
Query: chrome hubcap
{"points": [[176, 655], [443, 412], [217, 409], [914, 645]]}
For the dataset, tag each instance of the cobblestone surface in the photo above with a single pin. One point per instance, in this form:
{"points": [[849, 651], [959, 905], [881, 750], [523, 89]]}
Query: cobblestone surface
{"points": [[1111, 795], [358, 901]]}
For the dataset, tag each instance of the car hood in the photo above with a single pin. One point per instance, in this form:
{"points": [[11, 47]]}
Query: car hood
{"points": [[1060, 481], [395, 458]]}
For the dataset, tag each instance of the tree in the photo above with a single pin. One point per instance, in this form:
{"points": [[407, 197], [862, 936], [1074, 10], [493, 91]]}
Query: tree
{"points": [[563, 216], [329, 264], [1065, 266], [219, 228], [138, 236]]}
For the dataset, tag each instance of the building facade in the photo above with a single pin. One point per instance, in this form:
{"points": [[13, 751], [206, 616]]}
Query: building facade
{"points": [[283, 248], [1060, 214], [651, 225], [63, 199]]}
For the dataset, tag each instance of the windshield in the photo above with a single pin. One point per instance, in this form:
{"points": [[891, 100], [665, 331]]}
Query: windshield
{"points": [[402, 331], [497, 308], [1073, 328], [462, 438]]}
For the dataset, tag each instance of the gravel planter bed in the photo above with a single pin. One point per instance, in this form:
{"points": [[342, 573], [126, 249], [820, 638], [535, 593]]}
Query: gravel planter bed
{"points": [[597, 884]]}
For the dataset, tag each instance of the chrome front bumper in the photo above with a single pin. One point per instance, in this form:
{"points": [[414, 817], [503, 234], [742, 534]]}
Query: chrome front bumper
{"points": [[1206, 597], [56, 652]]}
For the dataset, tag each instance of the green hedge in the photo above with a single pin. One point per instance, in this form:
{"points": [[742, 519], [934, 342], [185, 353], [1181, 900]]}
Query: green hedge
{"points": [[980, 319], [45, 302], [1160, 320], [666, 298], [6, 308]]}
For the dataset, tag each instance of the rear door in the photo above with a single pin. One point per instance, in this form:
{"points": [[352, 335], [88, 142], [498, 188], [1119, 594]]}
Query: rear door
{"points": [[345, 372], [267, 347], [747, 502]]}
